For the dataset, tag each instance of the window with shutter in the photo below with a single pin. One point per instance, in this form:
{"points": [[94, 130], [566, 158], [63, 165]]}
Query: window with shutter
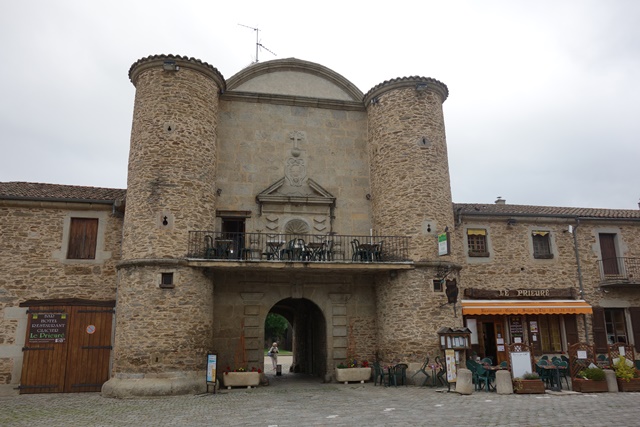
{"points": [[83, 237], [599, 331], [635, 326], [571, 329]]}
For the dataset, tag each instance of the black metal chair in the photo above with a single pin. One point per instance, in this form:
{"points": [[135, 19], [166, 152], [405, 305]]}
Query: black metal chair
{"points": [[359, 253], [401, 373], [210, 250], [423, 369]]}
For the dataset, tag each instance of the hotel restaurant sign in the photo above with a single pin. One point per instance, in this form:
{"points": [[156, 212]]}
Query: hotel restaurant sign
{"points": [[529, 294]]}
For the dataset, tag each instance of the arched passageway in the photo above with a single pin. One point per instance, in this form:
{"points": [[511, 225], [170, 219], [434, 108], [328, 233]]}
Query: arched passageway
{"points": [[309, 335]]}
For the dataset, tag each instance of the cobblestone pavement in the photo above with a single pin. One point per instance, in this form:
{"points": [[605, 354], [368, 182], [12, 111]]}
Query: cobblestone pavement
{"points": [[297, 400]]}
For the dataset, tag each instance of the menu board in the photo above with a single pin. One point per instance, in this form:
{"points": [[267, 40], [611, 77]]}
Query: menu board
{"points": [[516, 328]]}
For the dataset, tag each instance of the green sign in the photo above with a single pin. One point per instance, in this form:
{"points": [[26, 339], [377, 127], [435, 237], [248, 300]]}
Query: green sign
{"points": [[443, 244]]}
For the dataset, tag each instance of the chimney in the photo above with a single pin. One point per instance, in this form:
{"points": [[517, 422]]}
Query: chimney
{"points": [[500, 201]]}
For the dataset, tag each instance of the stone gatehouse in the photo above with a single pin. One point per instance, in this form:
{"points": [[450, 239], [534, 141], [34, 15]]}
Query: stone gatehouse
{"points": [[285, 189]]}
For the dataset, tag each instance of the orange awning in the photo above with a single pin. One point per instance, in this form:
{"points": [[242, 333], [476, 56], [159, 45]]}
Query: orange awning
{"points": [[481, 307]]}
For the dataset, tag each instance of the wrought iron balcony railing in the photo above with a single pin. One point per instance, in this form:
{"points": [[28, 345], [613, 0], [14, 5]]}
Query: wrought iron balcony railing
{"points": [[211, 245], [620, 270]]}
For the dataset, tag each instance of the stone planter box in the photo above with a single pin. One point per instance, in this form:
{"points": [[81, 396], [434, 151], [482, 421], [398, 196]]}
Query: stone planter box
{"points": [[347, 375], [632, 385], [241, 379], [528, 387], [589, 386]]}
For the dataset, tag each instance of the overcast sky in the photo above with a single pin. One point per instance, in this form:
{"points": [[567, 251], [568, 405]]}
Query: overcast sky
{"points": [[544, 96]]}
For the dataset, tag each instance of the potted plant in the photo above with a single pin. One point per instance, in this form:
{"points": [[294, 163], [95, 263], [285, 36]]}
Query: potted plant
{"points": [[626, 375], [590, 380], [241, 377], [529, 383], [352, 370]]}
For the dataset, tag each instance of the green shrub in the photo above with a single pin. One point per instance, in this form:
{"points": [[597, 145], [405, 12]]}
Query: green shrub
{"points": [[595, 374], [530, 376], [625, 371]]}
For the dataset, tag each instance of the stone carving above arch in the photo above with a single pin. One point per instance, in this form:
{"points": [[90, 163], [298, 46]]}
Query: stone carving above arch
{"points": [[296, 226]]}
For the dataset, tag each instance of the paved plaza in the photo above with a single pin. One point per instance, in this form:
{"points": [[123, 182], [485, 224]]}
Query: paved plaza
{"points": [[297, 400]]}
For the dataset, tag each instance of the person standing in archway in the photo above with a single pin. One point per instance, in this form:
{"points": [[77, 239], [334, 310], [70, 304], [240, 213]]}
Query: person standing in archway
{"points": [[273, 354]]}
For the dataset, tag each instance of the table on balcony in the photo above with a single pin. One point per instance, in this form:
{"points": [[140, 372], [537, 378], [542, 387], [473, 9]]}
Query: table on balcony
{"points": [[372, 250], [223, 248], [315, 250], [273, 249]]}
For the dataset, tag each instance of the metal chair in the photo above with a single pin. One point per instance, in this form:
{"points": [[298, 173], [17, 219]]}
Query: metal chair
{"points": [[423, 369], [401, 373], [210, 250], [359, 253]]}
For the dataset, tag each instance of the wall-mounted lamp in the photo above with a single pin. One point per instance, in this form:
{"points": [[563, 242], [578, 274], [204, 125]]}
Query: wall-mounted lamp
{"points": [[219, 191], [511, 221], [170, 66], [421, 87], [368, 196]]}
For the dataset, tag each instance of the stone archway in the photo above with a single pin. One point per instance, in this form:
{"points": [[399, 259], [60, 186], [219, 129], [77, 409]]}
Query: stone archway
{"points": [[309, 335]]}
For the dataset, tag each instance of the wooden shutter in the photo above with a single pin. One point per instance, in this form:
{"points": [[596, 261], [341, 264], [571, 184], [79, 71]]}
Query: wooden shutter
{"points": [[635, 326], [571, 329], [608, 252], [83, 237], [599, 331]]}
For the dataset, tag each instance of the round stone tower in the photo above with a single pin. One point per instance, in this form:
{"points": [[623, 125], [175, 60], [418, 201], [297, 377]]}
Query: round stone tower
{"points": [[164, 308], [411, 196]]}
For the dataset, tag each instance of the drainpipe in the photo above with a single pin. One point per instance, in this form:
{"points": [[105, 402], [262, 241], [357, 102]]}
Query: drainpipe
{"points": [[575, 246]]}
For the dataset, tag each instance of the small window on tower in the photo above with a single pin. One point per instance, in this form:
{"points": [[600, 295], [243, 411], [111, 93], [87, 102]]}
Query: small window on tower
{"points": [[166, 281]]}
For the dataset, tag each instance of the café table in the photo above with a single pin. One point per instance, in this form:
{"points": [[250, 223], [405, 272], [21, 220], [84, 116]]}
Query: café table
{"points": [[371, 249], [556, 385], [223, 247], [273, 248], [315, 250]]}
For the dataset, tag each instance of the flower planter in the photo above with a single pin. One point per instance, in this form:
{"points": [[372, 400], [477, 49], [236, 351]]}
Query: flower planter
{"points": [[631, 385], [589, 386], [346, 375], [241, 379], [528, 387]]}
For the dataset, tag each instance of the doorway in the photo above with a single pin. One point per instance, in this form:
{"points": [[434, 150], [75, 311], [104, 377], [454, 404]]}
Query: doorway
{"points": [[233, 229], [308, 335], [67, 347]]}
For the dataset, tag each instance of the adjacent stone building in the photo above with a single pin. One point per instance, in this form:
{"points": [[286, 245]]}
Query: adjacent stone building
{"points": [[287, 190]]}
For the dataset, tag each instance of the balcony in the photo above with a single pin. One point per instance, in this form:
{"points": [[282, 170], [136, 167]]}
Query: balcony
{"points": [[260, 251], [619, 271]]}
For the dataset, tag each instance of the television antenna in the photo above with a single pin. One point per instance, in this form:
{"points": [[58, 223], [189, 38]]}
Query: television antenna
{"points": [[258, 44]]}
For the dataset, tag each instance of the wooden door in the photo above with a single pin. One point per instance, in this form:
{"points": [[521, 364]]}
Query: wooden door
{"points": [[609, 255], [73, 356], [89, 349], [43, 364]]}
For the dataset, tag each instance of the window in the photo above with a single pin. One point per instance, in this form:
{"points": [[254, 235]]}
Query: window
{"points": [[550, 333], [166, 280], [541, 245], [83, 236], [437, 285], [614, 323], [477, 242]]}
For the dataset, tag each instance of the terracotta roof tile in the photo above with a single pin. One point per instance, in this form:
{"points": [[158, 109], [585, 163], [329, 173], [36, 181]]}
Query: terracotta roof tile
{"points": [[526, 210], [38, 191]]}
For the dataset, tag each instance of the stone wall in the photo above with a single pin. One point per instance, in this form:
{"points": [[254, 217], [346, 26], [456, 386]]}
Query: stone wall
{"points": [[255, 142], [337, 301], [172, 161], [34, 266]]}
